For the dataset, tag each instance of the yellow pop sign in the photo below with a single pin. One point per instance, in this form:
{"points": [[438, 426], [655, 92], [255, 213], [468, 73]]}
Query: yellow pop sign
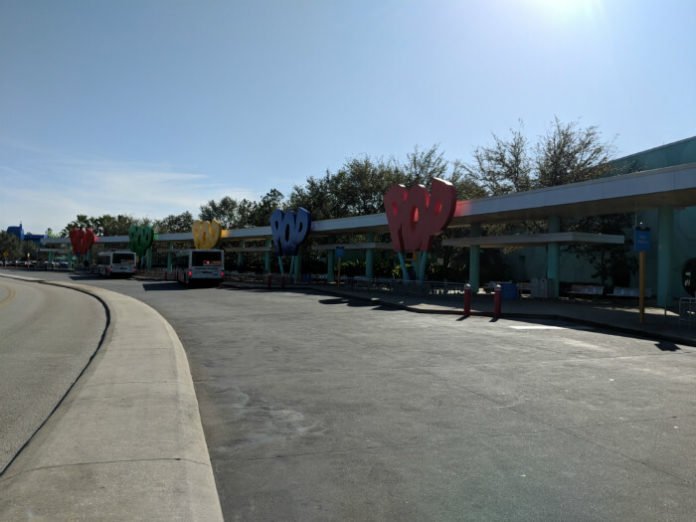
{"points": [[206, 234]]}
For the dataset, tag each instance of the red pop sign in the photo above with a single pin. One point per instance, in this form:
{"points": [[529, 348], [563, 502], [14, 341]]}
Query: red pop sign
{"points": [[416, 216], [81, 240]]}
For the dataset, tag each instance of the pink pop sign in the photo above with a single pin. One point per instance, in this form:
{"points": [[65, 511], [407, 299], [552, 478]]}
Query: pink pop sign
{"points": [[415, 215]]}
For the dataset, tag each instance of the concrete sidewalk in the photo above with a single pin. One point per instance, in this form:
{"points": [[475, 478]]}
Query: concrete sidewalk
{"points": [[618, 316], [127, 442]]}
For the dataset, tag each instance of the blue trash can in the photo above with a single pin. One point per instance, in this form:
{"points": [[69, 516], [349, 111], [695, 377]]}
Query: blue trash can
{"points": [[508, 291]]}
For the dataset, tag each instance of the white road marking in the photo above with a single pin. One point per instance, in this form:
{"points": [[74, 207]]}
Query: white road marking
{"points": [[580, 344], [537, 327]]}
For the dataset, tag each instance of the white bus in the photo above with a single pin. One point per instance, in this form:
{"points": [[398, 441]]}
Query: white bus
{"points": [[116, 262], [200, 265]]}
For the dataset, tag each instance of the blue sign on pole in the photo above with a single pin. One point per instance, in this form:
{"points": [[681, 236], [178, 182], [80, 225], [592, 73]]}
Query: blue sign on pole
{"points": [[340, 251], [641, 239]]}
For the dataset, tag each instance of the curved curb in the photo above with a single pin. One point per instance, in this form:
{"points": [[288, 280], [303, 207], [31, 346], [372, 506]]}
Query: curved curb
{"points": [[72, 385], [127, 442]]}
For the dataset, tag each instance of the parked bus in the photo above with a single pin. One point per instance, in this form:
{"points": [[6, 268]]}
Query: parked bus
{"points": [[200, 266], [116, 262]]}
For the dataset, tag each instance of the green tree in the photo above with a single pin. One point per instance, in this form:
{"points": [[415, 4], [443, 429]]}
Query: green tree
{"points": [[569, 154], [421, 167], [106, 225], [9, 246], [109, 225], [261, 213], [612, 264], [174, 223], [224, 211], [315, 197], [503, 167], [358, 187], [81, 221]]}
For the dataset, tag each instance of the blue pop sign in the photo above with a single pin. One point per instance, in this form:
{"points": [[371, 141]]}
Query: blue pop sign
{"points": [[641, 239]]}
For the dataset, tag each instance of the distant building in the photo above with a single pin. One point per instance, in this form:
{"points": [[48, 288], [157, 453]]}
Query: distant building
{"points": [[19, 233]]}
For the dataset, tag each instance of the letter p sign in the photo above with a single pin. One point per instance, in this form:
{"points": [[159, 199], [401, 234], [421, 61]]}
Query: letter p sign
{"points": [[289, 230]]}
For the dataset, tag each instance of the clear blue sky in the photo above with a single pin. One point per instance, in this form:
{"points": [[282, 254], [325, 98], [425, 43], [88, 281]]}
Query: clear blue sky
{"points": [[154, 107]]}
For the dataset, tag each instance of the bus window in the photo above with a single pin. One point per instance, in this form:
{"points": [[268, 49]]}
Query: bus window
{"points": [[206, 259], [125, 258]]}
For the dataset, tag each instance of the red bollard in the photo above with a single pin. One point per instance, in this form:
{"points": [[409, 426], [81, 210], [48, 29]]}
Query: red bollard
{"points": [[497, 301], [467, 300]]}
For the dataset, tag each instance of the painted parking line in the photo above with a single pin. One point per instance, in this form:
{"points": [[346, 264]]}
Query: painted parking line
{"points": [[552, 327], [537, 327]]}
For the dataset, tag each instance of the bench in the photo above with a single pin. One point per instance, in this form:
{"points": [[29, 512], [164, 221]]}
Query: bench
{"points": [[625, 291], [587, 290], [362, 282]]}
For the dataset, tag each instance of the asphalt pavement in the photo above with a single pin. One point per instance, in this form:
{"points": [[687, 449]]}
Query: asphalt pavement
{"points": [[330, 407]]}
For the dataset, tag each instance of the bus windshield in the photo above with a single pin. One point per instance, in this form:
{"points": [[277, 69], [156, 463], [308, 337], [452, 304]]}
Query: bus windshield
{"points": [[123, 258], [206, 259]]}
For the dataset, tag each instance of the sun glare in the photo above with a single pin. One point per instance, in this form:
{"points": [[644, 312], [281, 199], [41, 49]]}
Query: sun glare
{"points": [[566, 9]]}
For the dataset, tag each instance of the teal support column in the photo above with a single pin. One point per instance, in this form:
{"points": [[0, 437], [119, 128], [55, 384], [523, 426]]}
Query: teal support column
{"points": [[330, 277], [370, 259], [422, 266], [475, 260], [267, 258], [148, 258], [404, 271], [240, 257], [170, 254], [665, 240], [553, 258], [298, 267]]}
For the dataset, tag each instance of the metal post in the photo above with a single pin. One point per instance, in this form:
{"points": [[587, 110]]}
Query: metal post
{"points": [[467, 300], [641, 277], [497, 298]]}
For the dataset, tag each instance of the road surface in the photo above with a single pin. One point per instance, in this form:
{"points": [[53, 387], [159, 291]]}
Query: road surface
{"points": [[47, 336], [316, 408]]}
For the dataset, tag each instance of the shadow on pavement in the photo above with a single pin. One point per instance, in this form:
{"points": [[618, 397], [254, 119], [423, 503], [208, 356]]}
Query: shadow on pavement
{"points": [[169, 285], [85, 277], [359, 303], [667, 346], [548, 314]]}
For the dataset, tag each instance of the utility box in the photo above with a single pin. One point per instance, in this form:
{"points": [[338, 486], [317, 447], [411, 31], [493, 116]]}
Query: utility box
{"points": [[539, 288]]}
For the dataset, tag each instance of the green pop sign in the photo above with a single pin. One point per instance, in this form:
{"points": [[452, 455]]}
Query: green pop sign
{"points": [[140, 238]]}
